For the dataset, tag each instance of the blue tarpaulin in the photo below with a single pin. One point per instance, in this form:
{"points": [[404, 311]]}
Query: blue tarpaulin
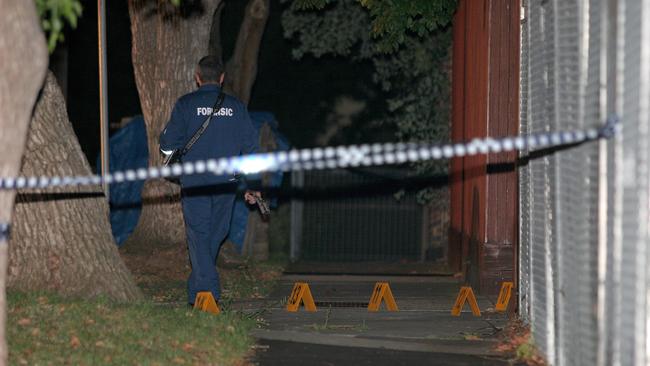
{"points": [[128, 150]]}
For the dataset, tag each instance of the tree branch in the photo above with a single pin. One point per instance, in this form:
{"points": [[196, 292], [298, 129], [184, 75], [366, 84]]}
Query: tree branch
{"points": [[241, 69]]}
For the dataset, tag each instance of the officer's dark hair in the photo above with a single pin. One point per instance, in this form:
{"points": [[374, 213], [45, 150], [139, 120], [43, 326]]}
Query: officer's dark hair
{"points": [[210, 68]]}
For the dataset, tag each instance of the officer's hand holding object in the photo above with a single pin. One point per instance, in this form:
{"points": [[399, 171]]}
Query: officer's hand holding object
{"points": [[255, 197], [249, 196]]}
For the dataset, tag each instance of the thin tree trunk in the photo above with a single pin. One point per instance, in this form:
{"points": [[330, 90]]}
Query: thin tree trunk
{"points": [[167, 44], [215, 47], [241, 69], [61, 239], [23, 60]]}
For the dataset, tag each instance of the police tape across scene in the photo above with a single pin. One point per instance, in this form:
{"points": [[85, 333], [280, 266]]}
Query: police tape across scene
{"points": [[328, 158]]}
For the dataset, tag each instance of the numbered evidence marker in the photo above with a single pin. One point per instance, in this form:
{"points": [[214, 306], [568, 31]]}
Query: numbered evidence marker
{"points": [[465, 294], [206, 302], [300, 293], [382, 291], [504, 296]]}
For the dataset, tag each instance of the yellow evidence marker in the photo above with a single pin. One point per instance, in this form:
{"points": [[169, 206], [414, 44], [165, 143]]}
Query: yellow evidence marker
{"points": [[504, 296], [206, 302], [301, 293], [465, 294], [382, 291]]}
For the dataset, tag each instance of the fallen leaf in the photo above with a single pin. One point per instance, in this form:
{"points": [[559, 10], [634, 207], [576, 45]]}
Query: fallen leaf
{"points": [[187, 347], [471, 337], [74, 342], [179, 360], [25, 321], [504, 348], [42, 300], [99, 344], [36, 332], [230, 328]]}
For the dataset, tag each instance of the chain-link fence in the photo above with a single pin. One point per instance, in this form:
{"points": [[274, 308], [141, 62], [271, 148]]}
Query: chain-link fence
{"points": [[584, 210], [365, 215]]}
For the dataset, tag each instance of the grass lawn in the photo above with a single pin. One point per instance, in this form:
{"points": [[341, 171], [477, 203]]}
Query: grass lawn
{"points": [[46, 329]]}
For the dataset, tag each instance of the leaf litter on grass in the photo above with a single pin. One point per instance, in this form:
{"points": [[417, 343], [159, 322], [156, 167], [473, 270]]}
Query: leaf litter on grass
{"points": [[162, 276], [93, 332], [45, 328], [516, 342], [48, 329]]}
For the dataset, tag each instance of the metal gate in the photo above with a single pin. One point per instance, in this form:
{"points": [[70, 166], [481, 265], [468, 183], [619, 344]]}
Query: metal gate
{"points": [[356, 215]]}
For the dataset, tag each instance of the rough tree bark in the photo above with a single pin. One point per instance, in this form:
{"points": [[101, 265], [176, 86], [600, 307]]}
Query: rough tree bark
{"points": [[167, 43], [23, 61], [61, 239]]}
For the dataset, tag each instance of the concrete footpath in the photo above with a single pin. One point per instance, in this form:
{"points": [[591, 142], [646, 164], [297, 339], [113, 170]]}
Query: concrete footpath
{"points": [[343, 332]]}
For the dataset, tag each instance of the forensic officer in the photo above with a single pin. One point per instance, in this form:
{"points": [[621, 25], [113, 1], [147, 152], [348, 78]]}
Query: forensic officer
{"points": [[208, 199]]}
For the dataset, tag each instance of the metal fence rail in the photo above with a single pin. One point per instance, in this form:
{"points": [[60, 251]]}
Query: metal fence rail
{"points": [[364, 215], [524, 256], [584, 212]]}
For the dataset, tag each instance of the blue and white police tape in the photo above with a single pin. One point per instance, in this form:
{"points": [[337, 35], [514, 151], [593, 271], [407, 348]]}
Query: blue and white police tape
{"points": [[329, 158]]}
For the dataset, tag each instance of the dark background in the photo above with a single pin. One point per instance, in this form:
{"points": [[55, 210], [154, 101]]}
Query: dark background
{"points": [[299, 93]]}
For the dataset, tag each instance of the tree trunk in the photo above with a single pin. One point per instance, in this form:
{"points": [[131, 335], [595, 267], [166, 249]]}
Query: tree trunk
{"points": [[61, 240], [241, 69], [167, 44], [23, 59]]}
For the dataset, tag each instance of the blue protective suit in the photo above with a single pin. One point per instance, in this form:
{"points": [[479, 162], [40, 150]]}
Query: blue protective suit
{"points": [[208, 199]]}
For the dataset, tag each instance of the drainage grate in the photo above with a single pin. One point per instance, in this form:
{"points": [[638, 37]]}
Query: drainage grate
{"points": [[341, 304]]}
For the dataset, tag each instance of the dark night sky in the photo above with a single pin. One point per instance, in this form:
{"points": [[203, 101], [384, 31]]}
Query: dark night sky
{"points": [[299, 93]]}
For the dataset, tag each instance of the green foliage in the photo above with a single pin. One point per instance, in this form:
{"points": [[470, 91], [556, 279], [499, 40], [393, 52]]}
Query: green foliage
{"points": [[409, 45], [393, 20], [337, 30], [54, 14], [312, 4], [419, 82]]}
